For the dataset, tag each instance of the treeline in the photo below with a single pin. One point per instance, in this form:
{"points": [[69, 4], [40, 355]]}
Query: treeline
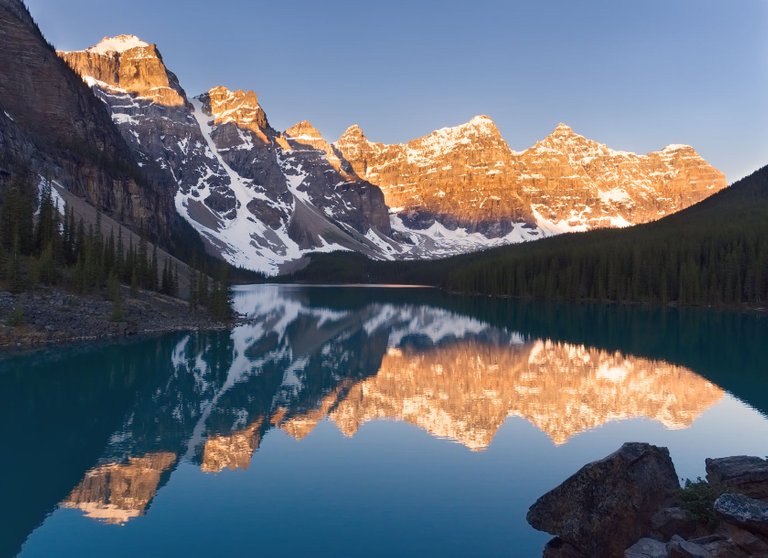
{"points": [[41, 246], [715, 253]]}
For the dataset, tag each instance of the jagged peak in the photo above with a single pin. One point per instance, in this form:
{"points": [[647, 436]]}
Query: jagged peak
{"points": [[564, 134], [564, 130], [223, 93], [353, 134], [303, 130], [482, 120], [481, 124], [118, 44], [677, 147]]}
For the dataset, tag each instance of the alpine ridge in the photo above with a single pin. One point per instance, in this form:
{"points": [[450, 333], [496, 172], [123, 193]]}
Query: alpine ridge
{"points": [[265, 199]]}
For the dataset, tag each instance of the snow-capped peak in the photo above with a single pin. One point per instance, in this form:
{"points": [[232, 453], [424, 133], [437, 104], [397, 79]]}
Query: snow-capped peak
{"points": [[481, 120], [563, 129], [118, 44], [353, 131], [676, 147]]}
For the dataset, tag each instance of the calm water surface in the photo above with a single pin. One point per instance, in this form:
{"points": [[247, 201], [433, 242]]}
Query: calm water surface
{"points": [[347, 422]]}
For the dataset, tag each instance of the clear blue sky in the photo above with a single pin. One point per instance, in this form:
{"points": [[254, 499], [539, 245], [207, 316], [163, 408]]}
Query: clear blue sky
{"points": [[636, 75]]}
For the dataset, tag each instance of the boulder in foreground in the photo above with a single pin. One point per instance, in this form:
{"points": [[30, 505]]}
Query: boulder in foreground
{"points": [[743, 474], [607, 505]]}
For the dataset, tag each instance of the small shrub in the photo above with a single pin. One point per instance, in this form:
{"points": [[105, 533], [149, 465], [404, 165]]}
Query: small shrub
{"points": [[698, 497]]}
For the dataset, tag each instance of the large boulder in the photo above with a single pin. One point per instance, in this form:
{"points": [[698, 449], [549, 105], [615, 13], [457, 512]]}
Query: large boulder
{"points": [[608, 505], [743, 474], [744, 512]]}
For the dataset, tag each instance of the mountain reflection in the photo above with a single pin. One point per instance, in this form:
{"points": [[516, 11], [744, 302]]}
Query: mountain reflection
{"points": [[301, 360]]}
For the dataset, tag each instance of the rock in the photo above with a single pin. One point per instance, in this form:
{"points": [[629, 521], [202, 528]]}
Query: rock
{"points": [[708, 539], [647, 548], [558, 548], [678, 547], [724, 548], [748, 542], [743, 474], [608, 505], [744, 512], [668, 522]]}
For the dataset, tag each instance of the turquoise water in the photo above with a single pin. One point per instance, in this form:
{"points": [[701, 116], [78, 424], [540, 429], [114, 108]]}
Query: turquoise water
{"points": [[360, 422]]}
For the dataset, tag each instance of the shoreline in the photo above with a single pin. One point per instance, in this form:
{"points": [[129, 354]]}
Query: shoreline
{"points": [[47, 317]]}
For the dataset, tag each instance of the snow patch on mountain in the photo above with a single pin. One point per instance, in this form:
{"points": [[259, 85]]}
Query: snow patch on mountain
{"points": [[118, 44]]}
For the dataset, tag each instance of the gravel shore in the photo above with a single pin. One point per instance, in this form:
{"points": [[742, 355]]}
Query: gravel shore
{"points": [[50, 316]]}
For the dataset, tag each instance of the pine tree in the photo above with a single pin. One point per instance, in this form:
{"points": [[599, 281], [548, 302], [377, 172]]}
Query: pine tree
{"points": [[115, 295]]}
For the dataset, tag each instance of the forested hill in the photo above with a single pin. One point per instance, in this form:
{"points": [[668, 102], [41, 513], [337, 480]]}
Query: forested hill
{"points": [[715, 252]]}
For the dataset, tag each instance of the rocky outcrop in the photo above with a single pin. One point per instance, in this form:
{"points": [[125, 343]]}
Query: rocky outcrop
{"points": [[608, 504], [586, 514], [742, 474]]}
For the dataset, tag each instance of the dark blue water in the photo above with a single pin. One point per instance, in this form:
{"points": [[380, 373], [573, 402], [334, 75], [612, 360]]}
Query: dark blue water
{"points": [[346, 422]]}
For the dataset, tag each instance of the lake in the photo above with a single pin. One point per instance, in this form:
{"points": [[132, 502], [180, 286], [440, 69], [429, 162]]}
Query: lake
{"points": [[360, 421]]}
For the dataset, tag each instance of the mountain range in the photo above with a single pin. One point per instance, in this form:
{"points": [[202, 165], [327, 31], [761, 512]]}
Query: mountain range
{"points": [[264, 199]]}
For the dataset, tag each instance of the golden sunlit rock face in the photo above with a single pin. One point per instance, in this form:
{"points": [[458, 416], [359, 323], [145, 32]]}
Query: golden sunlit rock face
{"points": [[233, 451], [564, 182], [464, 172], [118, 492], [127, 63], [239, 107], [466, 391]]}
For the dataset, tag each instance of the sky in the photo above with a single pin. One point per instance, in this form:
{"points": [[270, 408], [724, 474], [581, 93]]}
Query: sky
{"points": [[634, 74]]}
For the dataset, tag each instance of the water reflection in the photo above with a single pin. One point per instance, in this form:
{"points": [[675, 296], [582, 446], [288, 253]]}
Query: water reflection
{"points": [[455, 368], [296, 364]]}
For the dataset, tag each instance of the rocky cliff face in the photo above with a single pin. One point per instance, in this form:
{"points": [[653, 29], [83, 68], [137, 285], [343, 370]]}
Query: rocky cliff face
{"points": [[50, 120], [131, 64], [458, 177], [575, 183], [468, 178]]}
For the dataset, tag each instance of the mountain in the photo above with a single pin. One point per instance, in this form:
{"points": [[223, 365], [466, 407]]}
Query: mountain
{"points": [[259, 198], [266, 199], [468, 178], [51, 122], [712, 253]]}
